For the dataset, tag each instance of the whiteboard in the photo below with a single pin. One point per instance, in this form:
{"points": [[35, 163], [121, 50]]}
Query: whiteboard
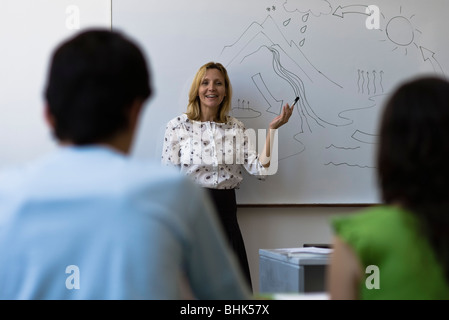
{"points": [[329, 53], [29, 32], [274, 50]]}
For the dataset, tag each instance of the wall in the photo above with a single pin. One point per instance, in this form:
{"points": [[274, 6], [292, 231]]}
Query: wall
{"points": [[284, 227], [29, 32]]}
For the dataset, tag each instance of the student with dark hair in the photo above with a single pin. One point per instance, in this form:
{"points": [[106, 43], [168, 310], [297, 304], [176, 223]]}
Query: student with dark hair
{"points": [[402, 245], [89, 222], [94, 81]]}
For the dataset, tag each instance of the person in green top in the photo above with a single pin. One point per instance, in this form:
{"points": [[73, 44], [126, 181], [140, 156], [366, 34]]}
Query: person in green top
{"points": [[400, 249]]}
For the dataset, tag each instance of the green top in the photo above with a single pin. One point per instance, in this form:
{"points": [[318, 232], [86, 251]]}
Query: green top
{"points": [[388, 237]]}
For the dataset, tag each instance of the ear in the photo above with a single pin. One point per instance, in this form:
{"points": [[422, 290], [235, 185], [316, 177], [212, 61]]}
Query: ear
{"points": [[49, 118]]}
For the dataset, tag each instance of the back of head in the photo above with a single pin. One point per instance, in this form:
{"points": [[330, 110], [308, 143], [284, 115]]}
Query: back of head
{"points": [[414, 143], [414, 155], [94, 77]]}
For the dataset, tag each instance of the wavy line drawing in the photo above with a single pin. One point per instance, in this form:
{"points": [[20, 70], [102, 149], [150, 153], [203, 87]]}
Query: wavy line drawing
{"points": [[315, 7], [371, 82], [363, 82], [358, 80], [381, 73], [342, 148], [349, 165]]}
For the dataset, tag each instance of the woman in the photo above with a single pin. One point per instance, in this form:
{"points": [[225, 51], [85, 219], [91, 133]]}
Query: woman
{"points": [[211, 147], [400, 250]]}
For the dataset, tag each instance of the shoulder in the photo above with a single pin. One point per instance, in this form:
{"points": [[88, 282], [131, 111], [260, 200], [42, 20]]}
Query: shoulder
{"points": [[365, 225], [11, 174], [166, 181], [172, 195], [178, 120], [152, 172], [366, 219], [377, 229], [15, 178], [10, 179]]}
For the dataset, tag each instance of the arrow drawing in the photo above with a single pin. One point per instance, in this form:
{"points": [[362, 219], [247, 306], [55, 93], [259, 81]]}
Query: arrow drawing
{"points": [[341, 11], [428, 55]]}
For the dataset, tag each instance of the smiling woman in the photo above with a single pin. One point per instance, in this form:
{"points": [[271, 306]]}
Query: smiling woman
{"points": [[200, 139], [211, 94], [211, 79]]}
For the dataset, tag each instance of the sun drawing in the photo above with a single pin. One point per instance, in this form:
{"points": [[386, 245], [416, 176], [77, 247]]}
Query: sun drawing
{"points": [[401, 32]]}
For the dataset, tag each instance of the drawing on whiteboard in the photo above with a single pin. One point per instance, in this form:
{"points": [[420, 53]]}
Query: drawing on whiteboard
{"points": [[262, 39], [303, 29], [288, 71], [400, 31], [349, 165], [369, 82], [285, 63], [322, 51], [364, 137], [343, 148], [243, 110], [315, 7]]}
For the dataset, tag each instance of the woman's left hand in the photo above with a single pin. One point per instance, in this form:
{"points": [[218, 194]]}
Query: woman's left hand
{"points": [[282, 119]]}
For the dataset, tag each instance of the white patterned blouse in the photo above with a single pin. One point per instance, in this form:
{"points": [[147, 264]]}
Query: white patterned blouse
{"points": [[212, 153]]}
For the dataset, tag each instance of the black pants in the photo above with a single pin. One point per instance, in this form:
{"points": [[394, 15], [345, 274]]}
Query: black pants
{"points": [[226, 206]]}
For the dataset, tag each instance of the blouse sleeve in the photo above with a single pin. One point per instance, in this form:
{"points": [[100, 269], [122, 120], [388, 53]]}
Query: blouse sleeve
{"points": [[251, 161], [171, 148]]}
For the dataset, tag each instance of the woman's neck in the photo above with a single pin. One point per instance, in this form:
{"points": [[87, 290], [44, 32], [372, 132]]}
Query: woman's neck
{"points": [[208, 115]]}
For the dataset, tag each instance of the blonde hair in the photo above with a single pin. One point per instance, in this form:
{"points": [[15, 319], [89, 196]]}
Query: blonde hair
{"points": [[193, 108]]}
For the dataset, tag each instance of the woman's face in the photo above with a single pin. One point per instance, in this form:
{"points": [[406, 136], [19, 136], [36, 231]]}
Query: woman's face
{"points": [[212, 89]]}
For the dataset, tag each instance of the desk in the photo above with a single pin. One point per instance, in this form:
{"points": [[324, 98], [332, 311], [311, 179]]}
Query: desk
{"points": [[299, 272]]}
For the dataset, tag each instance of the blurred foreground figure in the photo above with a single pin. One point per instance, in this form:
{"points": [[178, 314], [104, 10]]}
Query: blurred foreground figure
{"points": [[400, 250], [89, 222]]}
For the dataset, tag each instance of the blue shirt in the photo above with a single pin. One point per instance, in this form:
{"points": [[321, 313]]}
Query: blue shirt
{"points": [[90, 223]]}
